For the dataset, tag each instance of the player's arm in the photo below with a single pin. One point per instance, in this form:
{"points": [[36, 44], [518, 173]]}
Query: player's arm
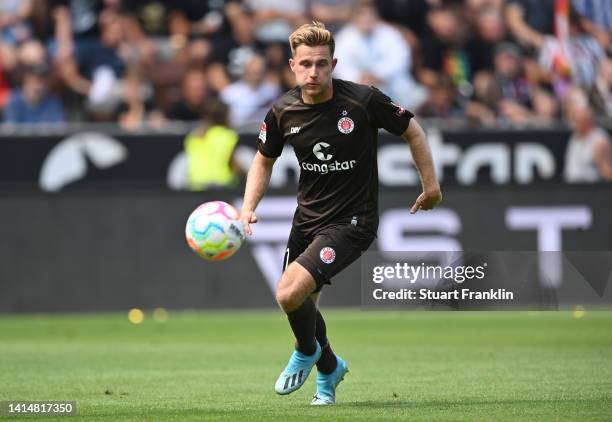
{"points": [[257, 183], [421, 153], [384, 113], [269, 147]]}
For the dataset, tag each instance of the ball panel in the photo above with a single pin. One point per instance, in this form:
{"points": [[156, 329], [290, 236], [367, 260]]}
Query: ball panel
{"points": [[213, 231], [208, 208], [230, 212]]}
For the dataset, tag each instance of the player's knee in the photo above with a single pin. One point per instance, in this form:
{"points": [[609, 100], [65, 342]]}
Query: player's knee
{"points": [[284, 297], [288, 299]]}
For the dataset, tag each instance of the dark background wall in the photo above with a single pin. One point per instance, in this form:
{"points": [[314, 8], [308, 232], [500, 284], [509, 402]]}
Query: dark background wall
{"points": [[117, 248]]}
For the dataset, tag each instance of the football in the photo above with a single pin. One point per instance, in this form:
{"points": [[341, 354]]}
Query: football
{"points": [[213, 231]]}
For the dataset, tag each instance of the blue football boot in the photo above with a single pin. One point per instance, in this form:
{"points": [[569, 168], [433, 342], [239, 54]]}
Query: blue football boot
{"points": [[327, 384], [296, 372]]}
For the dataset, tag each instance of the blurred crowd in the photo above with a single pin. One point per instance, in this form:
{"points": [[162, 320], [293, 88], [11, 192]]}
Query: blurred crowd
{"points": [[145, 63]]}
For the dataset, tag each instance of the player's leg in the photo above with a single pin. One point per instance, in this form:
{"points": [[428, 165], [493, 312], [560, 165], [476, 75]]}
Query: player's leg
{"points": [[331, 369], [327, 362], [293, 296], [295, 285], [329, 253]]}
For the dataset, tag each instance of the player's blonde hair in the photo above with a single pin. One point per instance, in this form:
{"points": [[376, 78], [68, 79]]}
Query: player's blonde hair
{"points": [[312, 35]]}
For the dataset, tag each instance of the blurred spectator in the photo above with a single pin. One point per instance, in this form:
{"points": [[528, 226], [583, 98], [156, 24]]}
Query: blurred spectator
{"points": [[530, 20], [333, 13], [573, 57], [76, 28], [218, 26], [194, 93], [33, 103], [210, 149], [597, 19], [601, 92], [150, 15], [137, 108], [97, 75], [506, 91], [32, 53], [108, 53], [5, 91], [364, 56], [276, 58], [250, 97], [545, 108], [275, 20], [489, 31], [409, 17], [410, 14], [445, 49], [8, 57], [588, 157], [475, 5], [137, 48], [442, 101], [510, 76], [180, 53], [597, 11], [14, 25], [14, 29]]}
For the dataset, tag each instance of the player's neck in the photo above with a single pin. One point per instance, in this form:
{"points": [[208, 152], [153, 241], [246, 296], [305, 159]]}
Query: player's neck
{"points": [[321, 98]]}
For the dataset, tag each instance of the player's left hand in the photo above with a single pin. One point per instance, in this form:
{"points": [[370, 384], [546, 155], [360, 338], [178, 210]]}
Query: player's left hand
{"points": [[427, 200]]}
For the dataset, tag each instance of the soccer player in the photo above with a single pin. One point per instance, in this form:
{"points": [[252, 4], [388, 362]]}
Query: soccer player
{"points": [[333, 127]]}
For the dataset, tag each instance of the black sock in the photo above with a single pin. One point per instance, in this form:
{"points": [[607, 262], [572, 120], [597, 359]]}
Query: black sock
{"points": [[327, 362], [302, 322]]}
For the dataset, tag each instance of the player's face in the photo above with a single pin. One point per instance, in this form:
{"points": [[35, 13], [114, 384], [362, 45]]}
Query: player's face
{"points": [[312, 67]]}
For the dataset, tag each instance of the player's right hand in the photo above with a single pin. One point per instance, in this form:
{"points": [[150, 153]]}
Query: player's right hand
{"points": [[427, 200], [248, 218]]}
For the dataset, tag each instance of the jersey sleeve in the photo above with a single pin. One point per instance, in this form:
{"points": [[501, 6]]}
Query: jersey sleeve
{"points": [[385, 114], [270, 141]]}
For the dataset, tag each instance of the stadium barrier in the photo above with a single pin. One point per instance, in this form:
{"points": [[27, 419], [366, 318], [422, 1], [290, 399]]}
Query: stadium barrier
{"points": [[91, 159]]}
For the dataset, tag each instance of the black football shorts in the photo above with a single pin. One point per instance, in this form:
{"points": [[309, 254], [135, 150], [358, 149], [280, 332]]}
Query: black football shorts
{"points": [[328, 252]]}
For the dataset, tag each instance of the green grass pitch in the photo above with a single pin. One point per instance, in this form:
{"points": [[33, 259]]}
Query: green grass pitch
{"points": [[415, 366]]}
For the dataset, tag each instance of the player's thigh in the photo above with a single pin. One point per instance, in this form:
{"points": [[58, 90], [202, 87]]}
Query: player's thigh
{"points": [[296, 284], [331, 251], [296, 245]]}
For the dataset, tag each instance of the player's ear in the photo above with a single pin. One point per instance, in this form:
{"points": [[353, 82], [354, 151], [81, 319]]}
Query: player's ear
{"points": [[334, 63], [291, 63]]}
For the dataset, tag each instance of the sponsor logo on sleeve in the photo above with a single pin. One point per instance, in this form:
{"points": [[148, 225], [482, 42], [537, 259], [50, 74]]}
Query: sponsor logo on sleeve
{"points": [[399, 110], [262, 132]]}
